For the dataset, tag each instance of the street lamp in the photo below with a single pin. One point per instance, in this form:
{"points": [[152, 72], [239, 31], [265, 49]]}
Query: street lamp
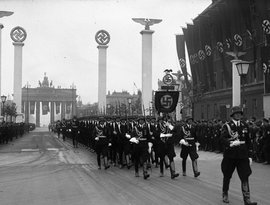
{"points": [[129, 103], [3, 99], [242, 69]]}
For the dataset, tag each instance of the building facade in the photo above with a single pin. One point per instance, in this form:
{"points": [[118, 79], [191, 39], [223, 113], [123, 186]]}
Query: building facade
{"points": [[45, 104], [228, 30]]}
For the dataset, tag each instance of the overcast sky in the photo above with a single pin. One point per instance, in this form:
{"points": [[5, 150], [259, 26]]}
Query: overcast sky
{"points": [[61, 41]]}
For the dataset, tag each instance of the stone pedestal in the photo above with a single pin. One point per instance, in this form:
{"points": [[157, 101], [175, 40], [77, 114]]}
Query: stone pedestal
{"points": [[146, 69], [102, 78]]}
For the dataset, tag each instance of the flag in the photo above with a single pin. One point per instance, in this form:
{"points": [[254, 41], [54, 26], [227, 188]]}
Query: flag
{"points": [[32, 107], [45, 108], [57, 109], [188, 38], [265, 53], [68, 107], [166, 101], [180, 47]]}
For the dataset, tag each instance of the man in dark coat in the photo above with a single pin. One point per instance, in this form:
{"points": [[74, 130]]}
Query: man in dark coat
{"points": [[237, 154], [189, 146]]}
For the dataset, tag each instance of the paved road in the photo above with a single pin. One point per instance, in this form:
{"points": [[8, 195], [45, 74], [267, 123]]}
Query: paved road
{"points": [[39, 169]]}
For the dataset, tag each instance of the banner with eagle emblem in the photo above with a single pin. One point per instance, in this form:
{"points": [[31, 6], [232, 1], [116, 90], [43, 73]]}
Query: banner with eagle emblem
{"points": [[166, 101]]}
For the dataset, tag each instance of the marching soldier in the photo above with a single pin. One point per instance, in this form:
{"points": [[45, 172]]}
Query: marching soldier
{"points": [[189, 145], [63, 127], [142, 147], [165, 146], [237, 154], [102, 142], [75, 131]]}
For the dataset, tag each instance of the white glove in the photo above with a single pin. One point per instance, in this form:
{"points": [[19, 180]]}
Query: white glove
{"points": [[182, 141], [128, 136], [170, 127], [235, 143], [134, 140], [114, 132], [250, 161], [97, 138], [110, 144]]}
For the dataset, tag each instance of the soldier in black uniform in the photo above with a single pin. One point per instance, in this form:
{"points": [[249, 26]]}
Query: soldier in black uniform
{"points": [[189, 146], [141, 147], [237, 154], [75, 131], [102, 142], [266, 140], [63, 127]]}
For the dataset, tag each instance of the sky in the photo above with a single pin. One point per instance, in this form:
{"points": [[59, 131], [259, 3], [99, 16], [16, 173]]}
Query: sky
{"points": [[61, 41]]}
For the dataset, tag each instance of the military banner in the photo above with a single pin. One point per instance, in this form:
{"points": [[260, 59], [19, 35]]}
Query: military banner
{"points": [[166, 101], [57, 109], [265, 52], [32, 107], [45, 108]]}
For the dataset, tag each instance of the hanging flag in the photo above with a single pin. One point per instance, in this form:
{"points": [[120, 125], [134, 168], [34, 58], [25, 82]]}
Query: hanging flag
{"points": [[68, 107], [57, 107], [180, 46], [265, 53], [166, 101], [187, 36], [45, 108], [32, 107]]}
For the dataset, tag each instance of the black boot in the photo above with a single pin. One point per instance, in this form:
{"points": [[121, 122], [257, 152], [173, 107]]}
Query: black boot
{"points": [[184, 167], [145, 174], [225, 197], [246, 193], [172, 169], [195, 168]]}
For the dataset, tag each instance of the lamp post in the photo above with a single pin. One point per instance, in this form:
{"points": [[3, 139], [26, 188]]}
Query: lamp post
{"points": [[3, 99], [129, 105], [242, 69]]}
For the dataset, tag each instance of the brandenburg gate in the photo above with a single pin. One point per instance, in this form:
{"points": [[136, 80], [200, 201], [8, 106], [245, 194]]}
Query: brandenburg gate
{"points": [[47, 102]]}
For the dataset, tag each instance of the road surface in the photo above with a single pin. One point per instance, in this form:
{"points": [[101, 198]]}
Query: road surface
{"points": [[40, 169]]}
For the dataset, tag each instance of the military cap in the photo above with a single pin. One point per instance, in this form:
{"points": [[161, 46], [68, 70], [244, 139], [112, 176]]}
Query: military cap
{"points": [[236, 109]]}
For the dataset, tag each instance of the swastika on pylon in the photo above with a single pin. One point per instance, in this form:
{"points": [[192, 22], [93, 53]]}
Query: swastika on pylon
{"points": [[18, 34], [166, 101], [102, 37], [238, 40]]}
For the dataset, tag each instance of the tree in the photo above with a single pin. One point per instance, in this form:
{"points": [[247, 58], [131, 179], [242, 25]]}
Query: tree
{"points": [[10, 110]]}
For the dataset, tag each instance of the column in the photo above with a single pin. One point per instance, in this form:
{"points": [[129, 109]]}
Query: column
{"points": [[38, 113], [17, 79], [102, 77], [236, 84], [146, 69], [62, 110], [52, 111]]}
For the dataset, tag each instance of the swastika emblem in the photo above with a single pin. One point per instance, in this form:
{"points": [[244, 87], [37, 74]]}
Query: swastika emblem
{"points": [[201, 55], [238, 40], [18, 34], [220, 47], [166, 101], [266, 26], [167, 79], [208, 50], [102, 37], [182, 62]]}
